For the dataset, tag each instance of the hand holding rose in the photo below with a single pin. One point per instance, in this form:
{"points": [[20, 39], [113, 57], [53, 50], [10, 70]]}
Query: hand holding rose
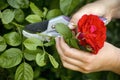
{"points": [[107, 58]]}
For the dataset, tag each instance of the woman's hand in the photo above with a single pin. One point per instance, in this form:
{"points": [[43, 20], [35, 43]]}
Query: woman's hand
{"points": [[107, 59], [105, 8]]}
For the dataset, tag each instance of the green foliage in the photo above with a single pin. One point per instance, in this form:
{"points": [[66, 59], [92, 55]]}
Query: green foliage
{"points": [[24, 72], [63, 30], [40, 59], [13, 38], [67, 34], [53, 61], [30, 55], [112, 76], [19, 15], [36, 10], [3, 4], [33, 18], [67, 6], [73, 43], [0, 14], [53, 13], [32, 43], [7, 16], [32, 59], [10, 58], [18, 3], [3, 44]]}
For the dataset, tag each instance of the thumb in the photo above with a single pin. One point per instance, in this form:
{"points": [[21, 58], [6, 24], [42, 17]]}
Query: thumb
{"points": [[74, 20]]}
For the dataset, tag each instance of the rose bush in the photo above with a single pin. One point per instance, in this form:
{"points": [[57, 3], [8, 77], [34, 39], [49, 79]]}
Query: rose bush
{"points": [[91, 32]]}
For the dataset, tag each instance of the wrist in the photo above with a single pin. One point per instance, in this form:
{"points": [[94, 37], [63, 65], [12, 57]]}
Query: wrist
{"points": [[115, 67], [111, 7], [111, 3]]}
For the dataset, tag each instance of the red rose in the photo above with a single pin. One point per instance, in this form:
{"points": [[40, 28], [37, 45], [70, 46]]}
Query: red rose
{"points": [[91, 32]]}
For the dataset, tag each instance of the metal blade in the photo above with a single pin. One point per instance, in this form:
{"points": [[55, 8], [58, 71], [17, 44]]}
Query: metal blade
{"points": [[37, 27]]}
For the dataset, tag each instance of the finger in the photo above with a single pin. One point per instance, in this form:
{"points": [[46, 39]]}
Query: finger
{"points": [[75, 18], [58, 46], [64, 47], [73, 67], [108, 19], [71, 25], [67, 62], [68, 59], [74, 53], [72, 61]]}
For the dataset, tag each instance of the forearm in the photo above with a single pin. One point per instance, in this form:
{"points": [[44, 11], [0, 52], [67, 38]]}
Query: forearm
{"points": [[113, 7], [111, 3], [116, 13]]}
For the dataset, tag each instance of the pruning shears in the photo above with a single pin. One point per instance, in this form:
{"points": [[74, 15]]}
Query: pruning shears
{"points": [[44, 30]]}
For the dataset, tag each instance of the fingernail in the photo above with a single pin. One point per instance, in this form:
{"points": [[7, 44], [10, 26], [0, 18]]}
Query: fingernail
{"points": [[104, 20], [57, 38], [71, 25]]}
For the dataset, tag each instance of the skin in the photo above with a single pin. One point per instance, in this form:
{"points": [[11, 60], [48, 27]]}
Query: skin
{"points": [[108, 57], [101, 8]]}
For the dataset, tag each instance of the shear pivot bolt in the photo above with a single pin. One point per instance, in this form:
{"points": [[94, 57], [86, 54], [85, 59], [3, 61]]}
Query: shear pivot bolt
{"points": [[53, 26]]}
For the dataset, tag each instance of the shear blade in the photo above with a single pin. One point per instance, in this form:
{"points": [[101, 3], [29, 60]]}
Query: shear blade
{"points": [[37, 27]]}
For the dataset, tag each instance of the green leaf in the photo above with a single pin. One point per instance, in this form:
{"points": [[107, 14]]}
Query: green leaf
{"points": [[32, 43], [67, 6], [13, 3], [45, 12], [74, 43], [53, 13], [41, 79], [50, 43], [24, 72], [31, 54], [3, 44], [0, 14], [19, 15], [10, 58], [36, 10], [37, 72], [33, 18], [53, 61], [112, 76], [52, 4], [8, 26], [94, 76], [18, 3], [7, 16], [3, 4], [63, 30], [13, 38], [40, 59], [23, 3]]}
